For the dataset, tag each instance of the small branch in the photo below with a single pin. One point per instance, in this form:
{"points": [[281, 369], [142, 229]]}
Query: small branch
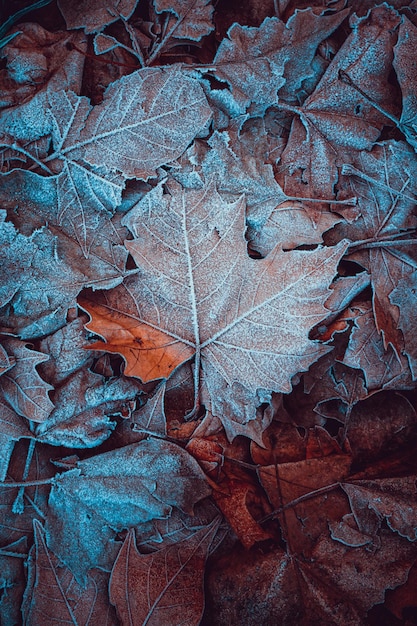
{"points": [[306, 496], [33, 483], [349, 201]]}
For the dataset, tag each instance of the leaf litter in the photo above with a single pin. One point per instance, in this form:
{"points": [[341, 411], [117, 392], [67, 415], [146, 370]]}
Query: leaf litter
{"points": [[207, 313]]}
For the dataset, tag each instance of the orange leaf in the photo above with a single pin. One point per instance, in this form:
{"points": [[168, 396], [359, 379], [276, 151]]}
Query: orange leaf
{"points": [[149, 353]]}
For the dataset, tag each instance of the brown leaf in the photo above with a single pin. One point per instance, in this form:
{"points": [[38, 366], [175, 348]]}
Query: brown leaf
{"points": [[404, 63], [138, 482], [12, 428], [37, 59], [404, 296], [53, 596], [384, 182], [95, 15], [382, 369], [86, 405], [164, 588], [146, 119], [255, 61], [336, 121]]}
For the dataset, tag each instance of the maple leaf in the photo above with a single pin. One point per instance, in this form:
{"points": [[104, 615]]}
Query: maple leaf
{"points": [[190, 301], [168, 583], [256, 62], [383, 180], [336, 120]]}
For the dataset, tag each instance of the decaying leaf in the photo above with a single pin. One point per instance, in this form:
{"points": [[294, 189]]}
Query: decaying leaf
{"points": [[138, 482], [22, 387], [52, 585], [94, 15], [256, 62], [146, 119], [168, 584], [228, 192]]}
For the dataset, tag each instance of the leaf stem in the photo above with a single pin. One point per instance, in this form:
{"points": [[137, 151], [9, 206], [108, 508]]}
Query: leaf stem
{"points": [[345, 78], [378, 242], [17, 148], [350, 170]]}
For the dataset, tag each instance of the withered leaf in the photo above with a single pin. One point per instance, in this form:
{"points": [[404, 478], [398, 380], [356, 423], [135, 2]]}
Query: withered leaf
{"points": [[146, 119], [37, 60], [6, 361], [86, 406], [189, 19], [336, 120], [95, 15], [151, 417], [192, 301], [138, 483], [403, 63], [404, 296], [52, 268], [168, 586], [383, 180], [12, 428], [392, 500], [53, 596], [22, 387], [256, 62], [382, 369]]}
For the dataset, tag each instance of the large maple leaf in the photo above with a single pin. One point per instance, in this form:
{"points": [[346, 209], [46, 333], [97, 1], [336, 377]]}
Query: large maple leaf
{"points": [[198, 294]]}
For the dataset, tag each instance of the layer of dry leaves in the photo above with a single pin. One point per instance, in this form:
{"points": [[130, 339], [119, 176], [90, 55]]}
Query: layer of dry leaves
{"points": [[208, 355]]}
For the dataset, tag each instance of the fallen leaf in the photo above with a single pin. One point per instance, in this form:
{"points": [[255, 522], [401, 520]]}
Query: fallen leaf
{"points": [[188, 20], [150, 418], [404, 56], [86, 407], [404, 296], [95, 15], [256, 63], [52, 585], [168, 584], [146, 119], [22, 387], [190, 301], [382, 369], [12, 428], [139, 482], [383, 182], [336, 121]]}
